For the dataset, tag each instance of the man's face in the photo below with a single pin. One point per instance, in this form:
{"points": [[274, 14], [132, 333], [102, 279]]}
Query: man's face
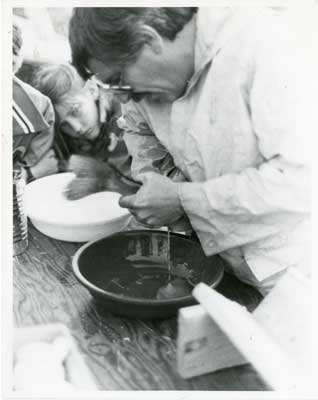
{"points": [[78, 115], [149, 77]]}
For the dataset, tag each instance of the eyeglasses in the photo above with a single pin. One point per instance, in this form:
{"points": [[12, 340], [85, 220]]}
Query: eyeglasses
{"points": [[125, 89], [123, 92], [119, 89]]}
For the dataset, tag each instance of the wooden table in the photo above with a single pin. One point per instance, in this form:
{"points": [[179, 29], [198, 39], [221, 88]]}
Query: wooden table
{"points": [[123, 354]]}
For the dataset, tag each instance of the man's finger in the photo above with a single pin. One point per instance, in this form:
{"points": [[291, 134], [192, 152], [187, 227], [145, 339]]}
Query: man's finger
{"points": [[127, 201], [102, 114], [113, 142], [146, 177], [105, 104]]}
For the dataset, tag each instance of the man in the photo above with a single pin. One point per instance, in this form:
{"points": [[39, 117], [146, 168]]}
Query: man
{"points": [[221, 90]]}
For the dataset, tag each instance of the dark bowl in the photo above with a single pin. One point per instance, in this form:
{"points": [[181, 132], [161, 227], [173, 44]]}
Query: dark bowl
{"points": [[123, 271]]}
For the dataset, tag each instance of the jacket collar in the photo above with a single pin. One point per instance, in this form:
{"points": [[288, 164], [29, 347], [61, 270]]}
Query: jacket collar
{"points": [[210, 24], [215, 26], [27, 117]]}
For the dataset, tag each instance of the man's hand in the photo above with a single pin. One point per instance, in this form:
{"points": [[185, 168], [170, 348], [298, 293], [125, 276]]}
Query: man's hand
{"points": [[108, 103], [105, 101], [109, 111], [156, 203]]}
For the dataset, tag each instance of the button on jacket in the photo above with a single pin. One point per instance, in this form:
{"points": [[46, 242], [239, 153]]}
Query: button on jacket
{"points": [[240, 137]]}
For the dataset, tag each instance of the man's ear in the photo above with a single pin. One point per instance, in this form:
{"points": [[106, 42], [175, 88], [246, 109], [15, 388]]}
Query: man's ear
{"points": [[92, 87], [152, 38]]}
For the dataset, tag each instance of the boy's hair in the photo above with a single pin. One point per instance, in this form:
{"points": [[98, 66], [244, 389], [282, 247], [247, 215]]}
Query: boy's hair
{"points": [[17, 40], [56, 81], [112, 34]]}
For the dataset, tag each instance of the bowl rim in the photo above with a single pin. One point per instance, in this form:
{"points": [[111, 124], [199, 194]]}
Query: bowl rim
{"points": [[66, 224], [133, 300]]}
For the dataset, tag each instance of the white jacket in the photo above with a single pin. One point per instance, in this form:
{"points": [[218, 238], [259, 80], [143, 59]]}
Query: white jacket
{"points": [[240, 137]]}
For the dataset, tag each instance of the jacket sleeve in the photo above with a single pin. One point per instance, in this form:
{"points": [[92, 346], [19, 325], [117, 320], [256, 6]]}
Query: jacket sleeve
{"points": [[148, 154], [43, 141], [43, 144], [43, 134], [237, 209]]}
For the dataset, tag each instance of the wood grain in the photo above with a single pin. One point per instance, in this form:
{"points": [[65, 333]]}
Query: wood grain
{"points": [[123, 354]]}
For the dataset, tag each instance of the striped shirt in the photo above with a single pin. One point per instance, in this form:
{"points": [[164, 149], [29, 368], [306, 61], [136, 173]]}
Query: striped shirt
{"points": [[32, 123]]}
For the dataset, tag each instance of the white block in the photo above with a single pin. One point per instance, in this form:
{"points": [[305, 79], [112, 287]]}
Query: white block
{"points": [[202, 347], [282, 318]]}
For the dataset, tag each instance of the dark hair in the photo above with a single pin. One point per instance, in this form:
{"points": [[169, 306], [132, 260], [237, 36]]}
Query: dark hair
{"points": [[57, 80], [16, 39], [112, 34]]}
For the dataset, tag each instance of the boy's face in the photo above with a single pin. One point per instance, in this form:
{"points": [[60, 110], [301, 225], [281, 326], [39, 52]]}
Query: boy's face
{"points": [[78, 115]]}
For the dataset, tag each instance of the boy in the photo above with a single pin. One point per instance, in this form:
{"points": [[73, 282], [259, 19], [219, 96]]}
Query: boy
{"points": [[33, 123], [78, 119]]}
